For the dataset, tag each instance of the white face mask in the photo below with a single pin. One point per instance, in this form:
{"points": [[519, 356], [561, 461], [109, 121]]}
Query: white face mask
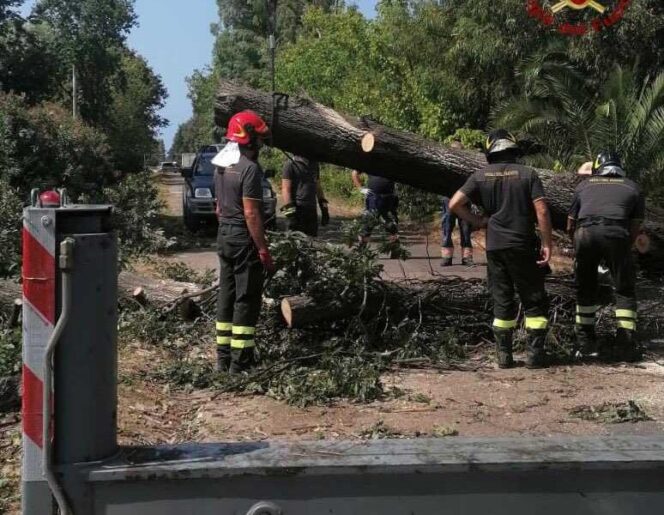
{"points": [[229, 155]]}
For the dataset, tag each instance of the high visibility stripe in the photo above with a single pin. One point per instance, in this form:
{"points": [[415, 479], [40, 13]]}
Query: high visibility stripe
{"points": [[504, 324], [242, 344], [585, 320], [627, 324], [239, 329], [536, 322], [223, 340], [586, 310], [625, 313], [224, 326]]}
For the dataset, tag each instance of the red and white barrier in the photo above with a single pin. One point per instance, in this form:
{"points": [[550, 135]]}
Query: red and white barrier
{"points": [[39, 313]]}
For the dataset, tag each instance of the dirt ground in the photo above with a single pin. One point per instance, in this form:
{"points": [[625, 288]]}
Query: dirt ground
{"points": [[476, 401], [484, 402]]}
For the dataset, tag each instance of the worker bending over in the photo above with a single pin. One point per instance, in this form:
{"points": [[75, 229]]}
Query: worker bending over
{"points": [[301, 191], [381, 203], [243, 252], [604, 221], [512, 196]]}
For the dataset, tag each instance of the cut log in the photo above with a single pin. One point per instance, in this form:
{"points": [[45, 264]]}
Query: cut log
{"points": [[139, 296], [304, 127], [300, 310], [156, 291], [15, 315]]}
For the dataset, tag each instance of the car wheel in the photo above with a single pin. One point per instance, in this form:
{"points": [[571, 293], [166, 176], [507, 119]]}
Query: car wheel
{"points": [[190, 220]]}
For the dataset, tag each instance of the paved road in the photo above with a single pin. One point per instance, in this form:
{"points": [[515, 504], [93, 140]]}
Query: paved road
{"points": [[424, 263]]}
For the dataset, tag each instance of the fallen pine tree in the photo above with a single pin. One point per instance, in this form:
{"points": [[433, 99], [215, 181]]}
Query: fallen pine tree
{"points": [[304, 127]]}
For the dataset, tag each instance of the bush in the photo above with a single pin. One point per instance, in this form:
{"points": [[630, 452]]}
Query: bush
{"points": [[10, 230], [42, 147], [137, 208]]}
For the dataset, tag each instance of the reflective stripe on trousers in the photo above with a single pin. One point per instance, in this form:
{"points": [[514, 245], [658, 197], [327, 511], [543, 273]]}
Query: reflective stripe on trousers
{"points": [[224, 332], [504, 324], [585, 315], [626, 319], [243, 337]]}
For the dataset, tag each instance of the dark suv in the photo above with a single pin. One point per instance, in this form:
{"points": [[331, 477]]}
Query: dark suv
{"points": [[198, 195]]}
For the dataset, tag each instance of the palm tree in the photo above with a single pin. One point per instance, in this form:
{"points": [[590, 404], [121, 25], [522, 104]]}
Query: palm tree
{"points": [[565, 116]]}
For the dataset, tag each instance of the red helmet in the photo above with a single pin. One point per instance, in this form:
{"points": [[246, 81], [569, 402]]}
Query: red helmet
{"points": [[49, 199], [243, 124]]}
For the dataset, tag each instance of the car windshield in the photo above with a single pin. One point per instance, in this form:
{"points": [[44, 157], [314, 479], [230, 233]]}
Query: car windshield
{"points": [[204, 165]]}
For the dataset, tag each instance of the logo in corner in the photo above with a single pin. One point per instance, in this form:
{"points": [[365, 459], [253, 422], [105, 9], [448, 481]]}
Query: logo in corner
{"points": [[577, 17]]}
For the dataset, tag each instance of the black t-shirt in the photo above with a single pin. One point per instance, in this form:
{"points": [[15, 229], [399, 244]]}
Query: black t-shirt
{"points": [[232, 184], [304, 175], [380, 185], [506, 192], [613, 197]]}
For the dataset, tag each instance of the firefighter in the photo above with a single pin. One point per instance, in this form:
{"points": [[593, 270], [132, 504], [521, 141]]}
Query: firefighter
{"points": [[381, 203], [244, 256], [512, 196], [604, 222], [301, 191]]}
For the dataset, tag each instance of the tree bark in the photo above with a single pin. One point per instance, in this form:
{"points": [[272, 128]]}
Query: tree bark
{"points": [[154, 291], [304, 127], [300, 311]]}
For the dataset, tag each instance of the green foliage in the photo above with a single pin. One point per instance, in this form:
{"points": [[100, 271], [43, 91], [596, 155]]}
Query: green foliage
{"points": [[571, 121], [468, 138], [337, 184], [179, 271], [137, 207], [611, 413], [137, 95], [89, 34], [10, 230], [42, 147], [10, 351]]}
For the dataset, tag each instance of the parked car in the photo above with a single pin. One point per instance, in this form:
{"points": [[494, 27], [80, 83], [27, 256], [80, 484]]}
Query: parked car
{"points": [[167, 166], [198, 192]]}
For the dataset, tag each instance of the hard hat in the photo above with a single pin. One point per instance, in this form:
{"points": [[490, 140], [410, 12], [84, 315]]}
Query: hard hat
{"points": [[608, 162], [244, 126], [500, 140], [49, 198]]}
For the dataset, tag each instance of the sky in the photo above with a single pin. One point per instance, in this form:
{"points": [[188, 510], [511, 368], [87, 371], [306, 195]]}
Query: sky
{"points": [[175, 43]]}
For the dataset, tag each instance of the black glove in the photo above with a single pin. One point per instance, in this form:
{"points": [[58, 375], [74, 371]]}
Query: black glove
{"points": [[324, 213]]}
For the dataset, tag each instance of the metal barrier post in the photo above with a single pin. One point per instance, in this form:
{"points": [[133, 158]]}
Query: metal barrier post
{"points": [[84, 368]]}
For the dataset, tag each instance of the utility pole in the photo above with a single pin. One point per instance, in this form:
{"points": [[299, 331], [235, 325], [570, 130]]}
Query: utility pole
{"points": [[271, 40], [74, 93]]}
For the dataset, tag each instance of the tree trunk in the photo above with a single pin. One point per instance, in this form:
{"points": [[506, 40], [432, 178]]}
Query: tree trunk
{"points": [[154, 291], [304, 127], [300, 311]]}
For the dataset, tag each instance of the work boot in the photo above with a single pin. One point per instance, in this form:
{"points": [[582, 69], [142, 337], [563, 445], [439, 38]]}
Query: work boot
{"points": [[626, 347], [467, 259], [535, 353], [446, 261], [504, 357], [242, 360], [223, 358], [395, 247], [586, 341]]}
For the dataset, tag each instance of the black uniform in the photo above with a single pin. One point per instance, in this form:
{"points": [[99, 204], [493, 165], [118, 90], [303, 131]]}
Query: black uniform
{"points": [[241, 272], [604, 208], [304, 175], [381, 203], [506, 192]]}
